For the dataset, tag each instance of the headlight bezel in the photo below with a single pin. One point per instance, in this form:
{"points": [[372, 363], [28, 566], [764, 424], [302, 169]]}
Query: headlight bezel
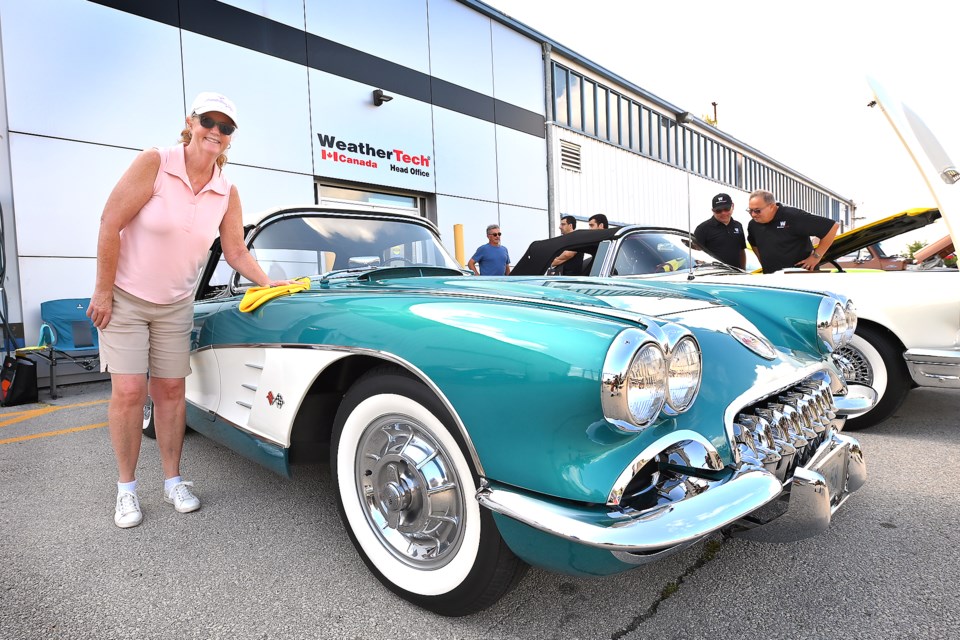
{"points": [[625, 353], [836, 321]]}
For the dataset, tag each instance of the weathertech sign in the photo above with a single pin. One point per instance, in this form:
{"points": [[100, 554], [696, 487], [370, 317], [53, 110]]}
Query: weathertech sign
{"points": [[366, 155]]}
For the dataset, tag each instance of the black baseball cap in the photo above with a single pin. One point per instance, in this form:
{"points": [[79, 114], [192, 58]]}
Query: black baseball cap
{"points": [[722, 201]]}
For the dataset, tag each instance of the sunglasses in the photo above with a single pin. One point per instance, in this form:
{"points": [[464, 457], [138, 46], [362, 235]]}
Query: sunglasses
{"points": [[752, 211], [724, 210], [494, 234], [226, 128]]}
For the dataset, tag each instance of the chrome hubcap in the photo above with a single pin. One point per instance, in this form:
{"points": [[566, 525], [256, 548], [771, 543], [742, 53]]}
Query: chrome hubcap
{"points": [[410, 491]]}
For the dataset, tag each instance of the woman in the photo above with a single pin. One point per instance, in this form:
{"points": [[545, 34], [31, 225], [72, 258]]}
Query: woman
{"points": [[156, 229]]}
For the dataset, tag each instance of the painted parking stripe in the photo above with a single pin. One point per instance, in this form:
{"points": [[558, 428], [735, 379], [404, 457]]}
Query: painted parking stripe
{"points": [[15, 417], [49, 434]]}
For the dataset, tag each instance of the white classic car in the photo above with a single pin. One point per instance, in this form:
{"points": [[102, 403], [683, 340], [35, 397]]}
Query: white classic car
{"points": [[908, 333]]}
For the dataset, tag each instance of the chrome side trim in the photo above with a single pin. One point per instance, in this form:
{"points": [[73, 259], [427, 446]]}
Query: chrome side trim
{"points": [[663, 527], [382, 355], [934, 367]]}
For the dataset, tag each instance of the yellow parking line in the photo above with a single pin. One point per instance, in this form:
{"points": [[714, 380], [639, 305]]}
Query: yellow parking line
{"points": [[19, 416], [48, 434]]}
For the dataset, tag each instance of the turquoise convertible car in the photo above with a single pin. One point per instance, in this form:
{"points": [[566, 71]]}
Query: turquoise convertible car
{"points": [[475, 426]]}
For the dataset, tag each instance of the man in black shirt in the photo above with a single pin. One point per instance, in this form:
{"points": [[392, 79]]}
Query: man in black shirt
{"points": [[780, 235], [721, 235], [568, 263]]}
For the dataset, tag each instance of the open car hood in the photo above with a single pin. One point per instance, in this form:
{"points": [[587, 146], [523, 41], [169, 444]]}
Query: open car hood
{"points": [[880, 230], [938, 169]]}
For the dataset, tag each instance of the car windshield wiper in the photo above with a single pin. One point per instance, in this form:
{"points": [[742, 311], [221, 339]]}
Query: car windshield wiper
{"points": [[716, 264], [345, 273]]}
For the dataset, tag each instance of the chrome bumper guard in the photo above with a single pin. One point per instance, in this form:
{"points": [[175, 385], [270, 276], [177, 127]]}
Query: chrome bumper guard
{"points": [[793, 471]]}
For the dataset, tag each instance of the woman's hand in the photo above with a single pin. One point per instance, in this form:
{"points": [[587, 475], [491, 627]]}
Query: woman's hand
{"points": [[101, 308]]}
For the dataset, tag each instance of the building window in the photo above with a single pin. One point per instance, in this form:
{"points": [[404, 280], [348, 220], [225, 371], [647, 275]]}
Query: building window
{"points": [[561, 96]]}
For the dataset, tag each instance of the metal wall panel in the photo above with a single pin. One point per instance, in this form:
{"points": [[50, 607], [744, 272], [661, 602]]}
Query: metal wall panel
{"points": [[521, 169], [517, 69], [460, 49], [58, 212], [100, 82], [271, 97], [466, 155], [395, 31], [263, 189]]}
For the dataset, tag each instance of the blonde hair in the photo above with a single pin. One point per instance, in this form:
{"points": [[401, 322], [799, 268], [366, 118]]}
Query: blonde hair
{"points": [[186, 136]]}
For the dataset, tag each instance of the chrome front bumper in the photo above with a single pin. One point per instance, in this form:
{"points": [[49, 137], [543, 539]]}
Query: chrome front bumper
{"points": [[792, 470], [810, 497]]}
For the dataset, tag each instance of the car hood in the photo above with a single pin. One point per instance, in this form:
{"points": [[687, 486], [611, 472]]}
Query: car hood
{"points": [[880, 230], [599, 295]]}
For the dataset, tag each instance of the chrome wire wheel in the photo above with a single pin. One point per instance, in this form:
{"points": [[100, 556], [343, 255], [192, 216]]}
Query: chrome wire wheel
{"points": [[410, 491], [862, 372]]}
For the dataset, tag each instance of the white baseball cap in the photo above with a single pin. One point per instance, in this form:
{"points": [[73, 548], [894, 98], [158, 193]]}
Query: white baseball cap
{"points": [[207, 101]]}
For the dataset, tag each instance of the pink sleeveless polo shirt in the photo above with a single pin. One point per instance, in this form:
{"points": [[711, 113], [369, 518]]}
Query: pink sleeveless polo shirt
{"points": [[165, 246]]}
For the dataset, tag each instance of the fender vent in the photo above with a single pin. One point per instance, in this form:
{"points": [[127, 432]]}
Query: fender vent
{"points": [[570, 156]]}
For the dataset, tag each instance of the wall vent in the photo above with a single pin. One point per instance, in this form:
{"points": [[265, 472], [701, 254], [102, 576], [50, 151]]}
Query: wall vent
{"points": [[570, 156]]}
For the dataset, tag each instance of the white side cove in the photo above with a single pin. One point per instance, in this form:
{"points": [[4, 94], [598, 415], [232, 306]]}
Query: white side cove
{"points": [[259, 389], [630, 188]]}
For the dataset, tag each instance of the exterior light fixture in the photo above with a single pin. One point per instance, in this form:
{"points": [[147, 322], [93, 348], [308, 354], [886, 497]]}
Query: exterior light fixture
{"points": [[379, 97]]}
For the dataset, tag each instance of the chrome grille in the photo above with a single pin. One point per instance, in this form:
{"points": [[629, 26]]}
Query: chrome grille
{"points": [[784, 430]]}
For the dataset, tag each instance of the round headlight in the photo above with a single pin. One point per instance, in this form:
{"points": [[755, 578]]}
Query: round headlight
{"points": [[646, 384], [850, 312], [683, 375]]}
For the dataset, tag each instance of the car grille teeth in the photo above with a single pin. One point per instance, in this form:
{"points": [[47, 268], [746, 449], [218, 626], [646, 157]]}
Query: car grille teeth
{"points": [[783, 431]]}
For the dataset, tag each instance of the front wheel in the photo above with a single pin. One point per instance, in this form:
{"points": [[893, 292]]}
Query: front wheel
{"points": [[879, 363], [406, 494]]}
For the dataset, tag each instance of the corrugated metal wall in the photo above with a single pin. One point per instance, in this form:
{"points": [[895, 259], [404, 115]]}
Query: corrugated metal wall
{"points": [[632, 189]]}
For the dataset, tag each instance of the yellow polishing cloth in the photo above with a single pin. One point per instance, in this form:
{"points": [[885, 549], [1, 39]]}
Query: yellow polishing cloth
{"points": [[256, 296]]}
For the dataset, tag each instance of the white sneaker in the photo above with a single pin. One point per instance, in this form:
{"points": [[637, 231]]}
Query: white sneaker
{"points": [[182, 498], [128, 512]]}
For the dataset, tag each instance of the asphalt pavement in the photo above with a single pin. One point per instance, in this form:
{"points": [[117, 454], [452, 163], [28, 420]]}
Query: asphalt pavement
{"points": [[267, 558]]}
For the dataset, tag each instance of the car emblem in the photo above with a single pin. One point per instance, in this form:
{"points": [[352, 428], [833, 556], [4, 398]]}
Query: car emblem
{"points": [[275, 399]]}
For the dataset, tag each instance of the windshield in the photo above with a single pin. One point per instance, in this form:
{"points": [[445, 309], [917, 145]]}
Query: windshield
{"points": [[660, 252], [307, 245]]}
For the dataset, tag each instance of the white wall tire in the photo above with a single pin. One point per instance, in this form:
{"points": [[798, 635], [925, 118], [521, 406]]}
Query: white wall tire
{"points": [[149, 427], [406, 494], [879, 363]]}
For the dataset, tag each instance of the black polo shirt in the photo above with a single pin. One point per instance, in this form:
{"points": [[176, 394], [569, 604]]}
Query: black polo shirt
{"points": [[723, 241], [573, 266], [785, 240]]}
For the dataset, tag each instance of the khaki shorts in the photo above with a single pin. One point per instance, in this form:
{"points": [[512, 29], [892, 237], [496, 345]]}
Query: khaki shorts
{"points": [[145, 336]]}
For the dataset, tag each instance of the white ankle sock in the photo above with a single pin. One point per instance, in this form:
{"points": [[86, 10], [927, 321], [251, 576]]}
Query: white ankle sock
{"points": [[170, 483], [127, 486]]}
